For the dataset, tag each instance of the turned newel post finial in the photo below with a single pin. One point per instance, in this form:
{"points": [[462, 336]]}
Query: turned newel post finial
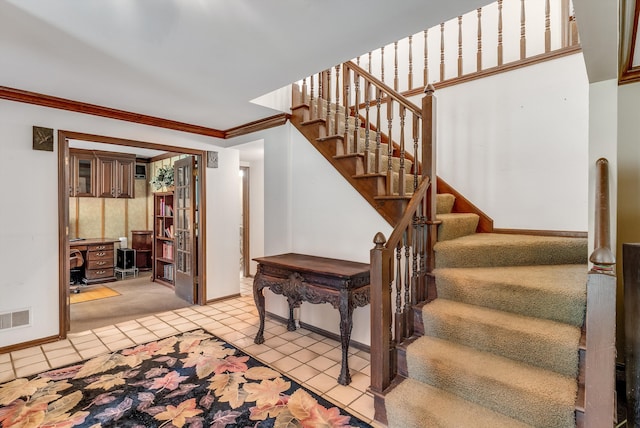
{"points": [[429, 89], [379, 240]]}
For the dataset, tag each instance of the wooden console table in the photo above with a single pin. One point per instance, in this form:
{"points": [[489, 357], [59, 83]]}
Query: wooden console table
{"points": [[302, 278]]}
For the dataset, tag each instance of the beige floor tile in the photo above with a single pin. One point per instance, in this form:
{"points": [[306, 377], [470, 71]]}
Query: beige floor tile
{"points": [[304, 355], [232, 336], [321, 363], [286, 364], [165, 332], [303, 373], [4, 359], [113, 337], [53, 345], [64, 360], [88, 345], [270, 356], [334, 371], [32, 369], [93, 352], [288, 348], [256, 349], [144, 338], [6, 376], [360, 381], [185, 326], [26, 361], [319, 347], [244, 342], [304, 341], [344, 395], [57, 353], [120, 344], [335, 354], [322, 382], [357, 363], [128, 326], [291, 336], [363, 407], [274, 341], [25, 353]]}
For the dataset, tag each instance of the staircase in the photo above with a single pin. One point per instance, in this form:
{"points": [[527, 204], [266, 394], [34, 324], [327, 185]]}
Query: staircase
{"points": [[468, 329], [499, 346]]}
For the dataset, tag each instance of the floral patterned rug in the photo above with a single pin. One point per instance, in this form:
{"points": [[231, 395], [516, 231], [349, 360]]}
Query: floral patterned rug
{"points": [[190, 380]]}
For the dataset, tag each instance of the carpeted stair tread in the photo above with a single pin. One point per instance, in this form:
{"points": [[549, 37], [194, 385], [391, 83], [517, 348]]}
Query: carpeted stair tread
{"points": [[414, 404], [383, 163], [539, 397], [543, 343], [444, 203], [456, 225], [495, 249], [554, 292]]}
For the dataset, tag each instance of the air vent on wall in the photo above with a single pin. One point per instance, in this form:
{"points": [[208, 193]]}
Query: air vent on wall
{"points": [[15, 319]]}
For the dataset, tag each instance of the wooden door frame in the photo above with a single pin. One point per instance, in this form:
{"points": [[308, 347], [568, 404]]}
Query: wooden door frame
{"points": [[63, 213], [246, 254]]}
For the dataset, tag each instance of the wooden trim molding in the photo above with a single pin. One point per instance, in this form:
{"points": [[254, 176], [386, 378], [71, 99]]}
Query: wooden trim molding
{"points": [[258, 125], [19, 95], [560, 233], [630, 15], [29, 344], [44, 100]]}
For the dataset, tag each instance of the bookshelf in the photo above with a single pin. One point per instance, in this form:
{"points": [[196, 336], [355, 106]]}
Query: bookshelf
{"points": [[163, 238]]}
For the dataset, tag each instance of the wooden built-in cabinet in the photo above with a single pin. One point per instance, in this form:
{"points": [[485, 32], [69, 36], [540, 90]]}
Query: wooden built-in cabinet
{"points": [[102, 174], [82, 174], [98, 259], [115, 176], [163, 238]]}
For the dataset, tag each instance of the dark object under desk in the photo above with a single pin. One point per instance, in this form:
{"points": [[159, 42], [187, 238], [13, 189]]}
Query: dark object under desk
{"points": [[303, 278]]}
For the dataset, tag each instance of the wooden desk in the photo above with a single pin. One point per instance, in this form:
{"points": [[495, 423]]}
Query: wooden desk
{"points": [[299, 277], [98, 259]]}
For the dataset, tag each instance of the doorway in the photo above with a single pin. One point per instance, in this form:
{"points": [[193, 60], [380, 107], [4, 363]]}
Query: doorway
{"points": [[245, 253], [115, 144]]}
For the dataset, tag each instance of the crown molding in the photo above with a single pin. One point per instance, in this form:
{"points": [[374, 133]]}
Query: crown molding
{"points": [[43, 100]]}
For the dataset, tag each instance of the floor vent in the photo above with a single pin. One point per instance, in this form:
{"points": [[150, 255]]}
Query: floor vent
{"points": [[15, 319]]}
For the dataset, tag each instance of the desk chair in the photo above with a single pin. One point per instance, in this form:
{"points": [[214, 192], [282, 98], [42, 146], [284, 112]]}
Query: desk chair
{"points": [[76, 261]]}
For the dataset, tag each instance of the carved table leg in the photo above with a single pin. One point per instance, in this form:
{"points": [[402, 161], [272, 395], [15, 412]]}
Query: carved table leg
{"points": [[258, 297], [346, 324], [291, 324]]}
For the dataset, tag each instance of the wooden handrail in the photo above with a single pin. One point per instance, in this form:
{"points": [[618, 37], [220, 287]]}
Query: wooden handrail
{"points": [[397, 96], [407, 217]]}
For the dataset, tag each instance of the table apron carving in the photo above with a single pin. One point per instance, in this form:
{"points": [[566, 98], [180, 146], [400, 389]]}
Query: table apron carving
{"points": [[343, 293]]}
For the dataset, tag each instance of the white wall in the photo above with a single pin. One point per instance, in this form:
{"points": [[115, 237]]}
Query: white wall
{"points": [[516, 144], [29, 236]]}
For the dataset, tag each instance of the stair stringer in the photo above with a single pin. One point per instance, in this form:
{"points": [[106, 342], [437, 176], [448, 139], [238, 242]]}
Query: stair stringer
{"points": [[372, 187]]}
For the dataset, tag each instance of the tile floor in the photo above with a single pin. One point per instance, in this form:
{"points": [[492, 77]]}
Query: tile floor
{"points": [[310, 359]]}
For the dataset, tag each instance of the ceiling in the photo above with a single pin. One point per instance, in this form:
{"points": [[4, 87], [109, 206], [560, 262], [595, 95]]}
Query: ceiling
{"points": [[200, 62]]}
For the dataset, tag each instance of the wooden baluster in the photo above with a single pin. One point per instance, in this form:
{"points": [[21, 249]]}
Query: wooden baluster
{"points": [[395, 66], [426, 59], [378, 156], [547, 26], [479, 53], [407, 321], [401, 173], [389, 146], [367, 126], [328, 116], [564, 23], [416, 130], [345, 103], [459, 45], [356, 130], [441, 51], [422, 277], [304, 97], [337, 115], [369, 69], [410, 77], [398, 318], [499, 32], [382, 64], [312, 100], [415, 298], [523, 40]]}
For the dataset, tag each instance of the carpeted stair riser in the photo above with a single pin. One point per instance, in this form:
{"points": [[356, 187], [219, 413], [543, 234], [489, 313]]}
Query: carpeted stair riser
{"points": [[383, 163], [408, 183], [553, 292], [492, 249], [536, 396], [456, 225], [444, 203], [546, 344], [414, 404]]}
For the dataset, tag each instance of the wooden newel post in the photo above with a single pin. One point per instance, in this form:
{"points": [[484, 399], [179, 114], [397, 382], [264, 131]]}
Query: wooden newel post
{"points": [[602, 257], [429, 120], [631, 278], [380, 318]]}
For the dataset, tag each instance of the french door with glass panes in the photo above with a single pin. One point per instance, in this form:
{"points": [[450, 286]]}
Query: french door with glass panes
{"points": [[184, 223]]}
